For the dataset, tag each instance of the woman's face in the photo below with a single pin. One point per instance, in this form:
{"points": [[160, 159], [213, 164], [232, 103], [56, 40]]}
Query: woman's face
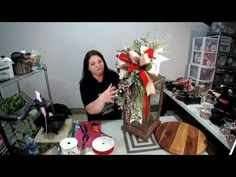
{"points": [[96, 65]]}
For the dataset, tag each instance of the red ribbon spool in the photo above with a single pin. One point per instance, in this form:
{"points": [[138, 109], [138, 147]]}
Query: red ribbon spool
{"points": [[103, 145]]}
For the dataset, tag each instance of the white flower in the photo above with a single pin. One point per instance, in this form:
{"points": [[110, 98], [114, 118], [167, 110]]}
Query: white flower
{"points": [[155, 70]]}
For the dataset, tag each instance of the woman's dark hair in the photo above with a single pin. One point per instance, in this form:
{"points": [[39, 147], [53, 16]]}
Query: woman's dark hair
{"points": [[86, 74]]}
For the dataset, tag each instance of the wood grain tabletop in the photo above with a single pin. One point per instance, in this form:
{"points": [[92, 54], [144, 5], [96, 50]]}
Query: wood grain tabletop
{"points": [[181, 138]]}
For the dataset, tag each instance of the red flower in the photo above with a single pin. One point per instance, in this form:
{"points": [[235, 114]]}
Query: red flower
{"points": [[150, 52]]}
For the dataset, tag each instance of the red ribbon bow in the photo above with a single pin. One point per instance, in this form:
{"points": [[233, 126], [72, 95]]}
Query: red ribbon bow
{"points": [[132, 66]]}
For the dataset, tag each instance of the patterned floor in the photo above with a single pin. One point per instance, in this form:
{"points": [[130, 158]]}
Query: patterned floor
{"points": [[135, 145]]}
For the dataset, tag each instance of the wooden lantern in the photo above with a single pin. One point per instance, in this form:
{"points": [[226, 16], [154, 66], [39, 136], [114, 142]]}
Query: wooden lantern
{"points": [[149, 124]]}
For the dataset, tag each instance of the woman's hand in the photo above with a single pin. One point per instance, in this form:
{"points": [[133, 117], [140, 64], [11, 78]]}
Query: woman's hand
{"points": [[109, 94], [97, 106]]}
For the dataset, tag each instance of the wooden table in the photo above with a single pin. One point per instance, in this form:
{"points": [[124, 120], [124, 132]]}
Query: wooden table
{"points": [[181, 138]]}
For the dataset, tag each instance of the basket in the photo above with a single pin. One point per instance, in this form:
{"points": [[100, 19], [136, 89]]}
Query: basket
{"points": [[21, 68]]}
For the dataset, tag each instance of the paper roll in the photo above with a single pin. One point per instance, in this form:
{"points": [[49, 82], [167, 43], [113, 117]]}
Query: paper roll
{"points": [[69, 146]]}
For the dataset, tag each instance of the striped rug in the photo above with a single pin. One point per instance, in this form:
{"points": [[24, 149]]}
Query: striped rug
{"points": [[135, 145]]}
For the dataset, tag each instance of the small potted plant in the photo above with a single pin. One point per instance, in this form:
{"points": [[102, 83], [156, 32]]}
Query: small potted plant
{"points": [[12, 104]]}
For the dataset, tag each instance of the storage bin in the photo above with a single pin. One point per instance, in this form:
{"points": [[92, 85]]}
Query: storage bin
{"points": [[201, 73], [225, 42], [201, 68], [21, 68]]}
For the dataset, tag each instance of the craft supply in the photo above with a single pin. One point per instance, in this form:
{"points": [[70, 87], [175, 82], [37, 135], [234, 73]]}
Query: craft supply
{"points": [[103, 145], [69, 146], [205, 113], [92, 135]]}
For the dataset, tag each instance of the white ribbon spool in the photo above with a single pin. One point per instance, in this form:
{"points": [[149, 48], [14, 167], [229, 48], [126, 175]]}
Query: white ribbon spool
{"points": [[69, 146]]}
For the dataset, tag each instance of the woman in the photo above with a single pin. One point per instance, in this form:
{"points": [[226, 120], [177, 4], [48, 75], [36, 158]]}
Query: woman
{"points": [[98, 88]]}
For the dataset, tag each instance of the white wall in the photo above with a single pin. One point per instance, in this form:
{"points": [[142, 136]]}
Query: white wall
{"points": [[63, 46]]}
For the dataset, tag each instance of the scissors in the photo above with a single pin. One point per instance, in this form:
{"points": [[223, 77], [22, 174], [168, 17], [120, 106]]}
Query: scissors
{"points": [[94, 127], [85, 135]]}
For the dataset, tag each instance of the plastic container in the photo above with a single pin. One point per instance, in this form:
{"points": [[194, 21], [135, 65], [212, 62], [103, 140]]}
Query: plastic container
{"points": [[31, 145], [201, 68], [5, 61]]}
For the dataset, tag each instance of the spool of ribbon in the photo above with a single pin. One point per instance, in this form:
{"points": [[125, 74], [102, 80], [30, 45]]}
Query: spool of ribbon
{"points": [[69, 146], [103, 145]]}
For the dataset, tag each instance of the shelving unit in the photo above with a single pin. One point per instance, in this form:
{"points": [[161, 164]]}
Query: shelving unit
{"points": [[225, 73], [16, 79], [203, 58], [6, 130], [10, 136]]}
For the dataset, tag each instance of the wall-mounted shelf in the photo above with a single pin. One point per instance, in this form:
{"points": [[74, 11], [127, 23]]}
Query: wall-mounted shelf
{"points": [[18, 78]]}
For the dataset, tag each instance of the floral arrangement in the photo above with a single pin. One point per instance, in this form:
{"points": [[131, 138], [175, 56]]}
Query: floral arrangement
{"points": [[186, 83], [138, 68]]}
